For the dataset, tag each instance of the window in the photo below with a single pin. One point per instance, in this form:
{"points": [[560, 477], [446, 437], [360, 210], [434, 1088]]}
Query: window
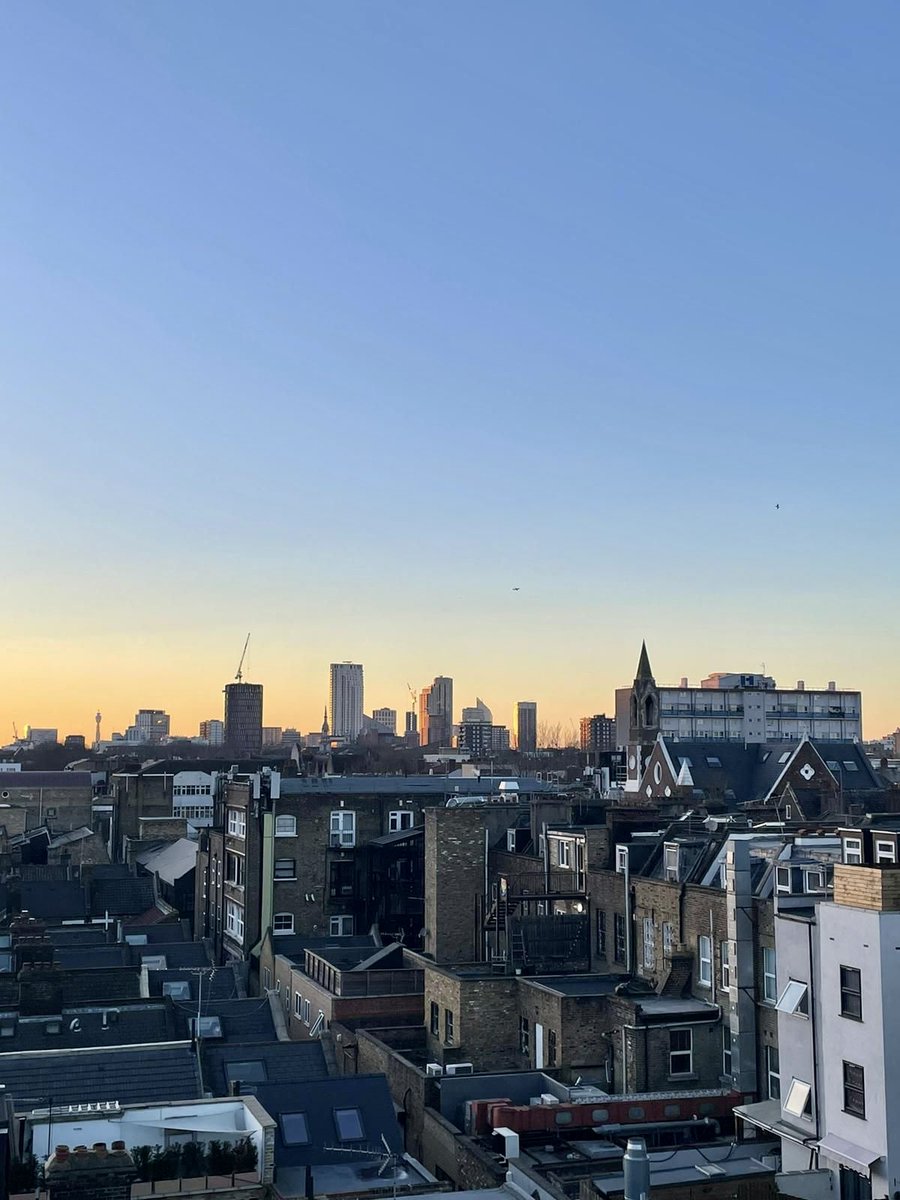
{"points": [[551, 1048], [726, 964], [298, 1004], [794, 1000], [668, 938], [850, 766], [649, 943], [285, 826], [234, 868], [349, 1124], [305, 1012], [234, 919], [565, 853], [770, 990], [814, 880], [783, 881], [340, 926], [237, 822], [448, 1026], [704, 956], [670, 863], [285, 868], [206, 1027], [619, 935], [601, 933], [798, 1102], [773, 1078], [524, 1036], [726, 1049], [343, 829], [853, 850], [283, 922], [851, 993], [784, 757], [681, 1056], [403, 819], [294, 1129], [712, 761], [854, 1090], [885, 850], [435, 1019], [178, 989]]}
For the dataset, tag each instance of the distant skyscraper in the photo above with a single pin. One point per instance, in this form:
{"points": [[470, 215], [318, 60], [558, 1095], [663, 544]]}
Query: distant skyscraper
{"points": [[525, 726], [440, 712], [243, 718], [424, 701], [271, 735], [346, 700], [386, 717], [412, 729], [213, 732]]}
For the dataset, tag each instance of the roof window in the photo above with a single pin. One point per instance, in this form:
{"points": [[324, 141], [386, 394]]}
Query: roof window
{"points": [[178, 989], [713, 761], [294, 1129], [206, 1027], [348, 1122]]}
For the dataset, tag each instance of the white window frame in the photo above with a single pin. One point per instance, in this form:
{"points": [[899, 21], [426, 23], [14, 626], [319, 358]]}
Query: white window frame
{"points": [[668, 938], [704, 961], [306, 1012], [340, 925], [285, 918], [285, 825], [783, 880], [298, 1004], [885, 850], [770, 993], [680, 1054], [853, 853], [564, 853], [237, 822], [343, 828], [234, 920], [794, 999], [402, 818], [726, 953], [671, 864], [798, 1099], [232, 856]]}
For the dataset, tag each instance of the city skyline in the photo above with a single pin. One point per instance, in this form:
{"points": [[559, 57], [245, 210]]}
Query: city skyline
{"points": [[603, 277], [306, 714]]}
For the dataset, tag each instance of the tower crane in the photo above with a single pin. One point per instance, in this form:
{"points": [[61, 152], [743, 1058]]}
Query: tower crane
{"points": [[239, 676], [412, 696]]}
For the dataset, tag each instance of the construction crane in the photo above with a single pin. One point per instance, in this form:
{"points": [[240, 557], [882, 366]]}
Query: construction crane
{"points": [[15, 731], [239, 676], [412, 696]]}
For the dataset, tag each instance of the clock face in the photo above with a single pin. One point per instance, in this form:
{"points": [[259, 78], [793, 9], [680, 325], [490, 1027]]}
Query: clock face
{"points": [[631, 763]]}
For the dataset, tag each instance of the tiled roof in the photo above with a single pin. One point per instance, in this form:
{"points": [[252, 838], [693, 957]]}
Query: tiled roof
{"points": [[242, 1021], [53, 898], [149, 1075], [218, 983], [283, 1062]]}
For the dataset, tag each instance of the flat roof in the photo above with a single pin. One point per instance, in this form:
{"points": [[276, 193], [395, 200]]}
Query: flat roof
{"points": [[576, 985]]}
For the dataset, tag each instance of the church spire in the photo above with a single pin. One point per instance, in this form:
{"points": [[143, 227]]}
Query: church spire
{"points": [[325, 723], [644, 671]]}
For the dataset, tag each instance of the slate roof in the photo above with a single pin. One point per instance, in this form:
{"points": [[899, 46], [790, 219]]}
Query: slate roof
{"points": [[129, 1025], [120, 897], [26, 780], [244, 1021], [177, 954], [52, 899], [92, 956], [437, 787], [219, 983], [103, 985], [283, 1062], [152, 1075], [318, 1100], [89, 935]]}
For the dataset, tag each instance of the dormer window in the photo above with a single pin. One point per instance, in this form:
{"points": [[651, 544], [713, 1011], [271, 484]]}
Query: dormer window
{"points": [[783, 881], [671, 862], [885, 850]]}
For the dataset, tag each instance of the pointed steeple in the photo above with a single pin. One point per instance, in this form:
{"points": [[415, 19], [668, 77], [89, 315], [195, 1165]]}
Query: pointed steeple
{"points": [[644, 671], [325, 722]]}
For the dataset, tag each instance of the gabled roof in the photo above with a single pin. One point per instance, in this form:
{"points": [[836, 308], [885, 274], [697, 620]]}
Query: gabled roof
{"points": [[172, 862]]}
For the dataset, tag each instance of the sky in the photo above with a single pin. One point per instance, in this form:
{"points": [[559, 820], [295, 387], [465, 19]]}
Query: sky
{"points": [[338, 322]]}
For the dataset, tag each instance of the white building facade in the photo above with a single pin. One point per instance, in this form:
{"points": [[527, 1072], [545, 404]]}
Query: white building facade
{"points": [[346, 700]]}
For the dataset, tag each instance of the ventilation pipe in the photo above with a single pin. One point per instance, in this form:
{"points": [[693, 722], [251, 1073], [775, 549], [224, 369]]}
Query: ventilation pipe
{"points": [[636, 1165]]}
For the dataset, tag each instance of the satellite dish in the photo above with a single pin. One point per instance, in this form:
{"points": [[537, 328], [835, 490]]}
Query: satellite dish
{"points": [[75, 1026]]}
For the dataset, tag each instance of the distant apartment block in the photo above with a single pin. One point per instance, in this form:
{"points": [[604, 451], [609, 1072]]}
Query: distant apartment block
{"points": [[387, 718], [212, 732], [39, 736], [525, 726], [150, 725], [598, 734], [243, 718], [271, 736], [346, 700]]}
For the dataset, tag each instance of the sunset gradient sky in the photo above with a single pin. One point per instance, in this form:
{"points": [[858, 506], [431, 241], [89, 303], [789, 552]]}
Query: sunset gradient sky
{"points": [[338, 321]]}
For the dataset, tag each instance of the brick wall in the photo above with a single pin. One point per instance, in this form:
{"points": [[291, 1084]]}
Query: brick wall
{"points": [[485, 1020], [454, 877]]}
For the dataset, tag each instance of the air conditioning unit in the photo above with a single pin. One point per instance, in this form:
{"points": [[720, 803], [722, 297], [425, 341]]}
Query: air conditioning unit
{"points": [[549, 1098], [460, 1069], [434, 1069]]}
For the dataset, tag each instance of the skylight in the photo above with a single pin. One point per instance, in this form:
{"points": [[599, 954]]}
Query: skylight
{"points": [[349, 1124], [294, 1129], [251, 1071], [206, 1027], [178, 989], [713, 761]]}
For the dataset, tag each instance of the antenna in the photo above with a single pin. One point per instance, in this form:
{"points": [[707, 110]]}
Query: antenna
{"points": [[98, 718], [239, 676]]}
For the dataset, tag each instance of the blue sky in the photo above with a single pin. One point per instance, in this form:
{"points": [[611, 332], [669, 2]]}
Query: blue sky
{"points": [[337, 321]]}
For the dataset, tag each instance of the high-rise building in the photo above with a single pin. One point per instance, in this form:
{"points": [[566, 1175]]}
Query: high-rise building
{"points": [[598, 733], [212, 732], [243, 718], [150, 725], [386, 717], [440, 712], [424, 701], [411, 734], [271, 735], [525, 726], [346, 700]]}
